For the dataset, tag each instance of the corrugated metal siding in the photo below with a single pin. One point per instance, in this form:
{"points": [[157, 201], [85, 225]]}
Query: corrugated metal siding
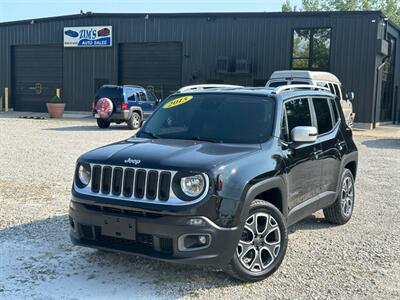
{"points": [[264, 40]]}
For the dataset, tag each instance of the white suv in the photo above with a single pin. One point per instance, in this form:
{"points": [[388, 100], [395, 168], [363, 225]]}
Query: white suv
{"points": [[324, 79]]}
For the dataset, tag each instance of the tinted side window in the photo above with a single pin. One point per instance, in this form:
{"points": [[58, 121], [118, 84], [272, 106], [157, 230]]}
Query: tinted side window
{"points": [[298, 113], [130, 94], [142, 96], [335, 111], [331, 88], [299, 82], [343, 92], [337, 92], [323, 115], [277, 83]]}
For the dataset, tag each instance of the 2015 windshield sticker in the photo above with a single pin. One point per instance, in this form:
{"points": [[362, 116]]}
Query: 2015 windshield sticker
{"points": [[178, 101]]}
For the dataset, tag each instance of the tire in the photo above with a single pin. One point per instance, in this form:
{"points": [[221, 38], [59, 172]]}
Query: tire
{"points": [[103, 123], [134, 121], [245, 264], [341, 211]]}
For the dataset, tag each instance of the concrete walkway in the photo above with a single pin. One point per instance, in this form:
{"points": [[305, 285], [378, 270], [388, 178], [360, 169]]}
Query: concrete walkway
{"points": [[389, 131], [38, 115]]}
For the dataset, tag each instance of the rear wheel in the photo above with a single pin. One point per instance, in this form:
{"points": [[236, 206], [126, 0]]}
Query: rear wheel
{"points": [[341, 211], [263, 243], [134, 121], [103, 123]]}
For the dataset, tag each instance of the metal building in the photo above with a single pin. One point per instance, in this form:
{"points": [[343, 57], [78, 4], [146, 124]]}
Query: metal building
{"points": [[167, 51]]}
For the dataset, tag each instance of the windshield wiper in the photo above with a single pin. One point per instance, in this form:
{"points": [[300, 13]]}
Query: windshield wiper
{"points": [[150, 134], [204, 139]]}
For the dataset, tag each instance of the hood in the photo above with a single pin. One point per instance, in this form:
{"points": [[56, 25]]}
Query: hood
{"points": [[168, 154]]}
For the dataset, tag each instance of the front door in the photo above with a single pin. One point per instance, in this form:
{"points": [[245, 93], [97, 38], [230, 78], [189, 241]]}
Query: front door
{"points": [[303, 168]]}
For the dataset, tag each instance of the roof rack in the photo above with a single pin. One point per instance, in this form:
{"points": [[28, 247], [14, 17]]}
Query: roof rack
{"points": [[289, 87]]}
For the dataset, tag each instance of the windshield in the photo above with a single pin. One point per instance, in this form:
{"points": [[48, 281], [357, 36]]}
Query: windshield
{"points": [[226, 118]]}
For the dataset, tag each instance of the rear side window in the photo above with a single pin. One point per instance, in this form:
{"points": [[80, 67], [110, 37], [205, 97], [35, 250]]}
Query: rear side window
{"points": [[337, 91], [297, 113], [275, 84], [130, 94], [335, 111], [299, 82], [323, 115], [331, 88]]}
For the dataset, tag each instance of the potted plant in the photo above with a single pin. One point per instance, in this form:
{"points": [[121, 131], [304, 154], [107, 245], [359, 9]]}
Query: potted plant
{"points": [[55, 107]]}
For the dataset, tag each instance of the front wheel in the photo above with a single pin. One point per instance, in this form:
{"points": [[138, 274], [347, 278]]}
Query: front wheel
{"points": [[134, 121], [263, 243]]}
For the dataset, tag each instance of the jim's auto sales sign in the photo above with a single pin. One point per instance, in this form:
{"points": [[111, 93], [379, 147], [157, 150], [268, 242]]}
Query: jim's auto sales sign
{"points": [[94, 36]]}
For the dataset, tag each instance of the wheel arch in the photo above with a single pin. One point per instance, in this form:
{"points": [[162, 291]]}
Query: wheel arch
{"points": [[272, 190], [136, 109]]}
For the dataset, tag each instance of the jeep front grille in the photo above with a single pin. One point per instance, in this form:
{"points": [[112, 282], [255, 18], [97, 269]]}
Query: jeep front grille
{"points": [[134, 184], [131, 182]]}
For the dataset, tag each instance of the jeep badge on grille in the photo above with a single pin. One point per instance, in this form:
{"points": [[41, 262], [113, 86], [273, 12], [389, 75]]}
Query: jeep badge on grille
{"points": [[132, 161]]}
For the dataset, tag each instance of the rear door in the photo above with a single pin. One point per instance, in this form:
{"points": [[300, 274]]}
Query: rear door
{"points": [[331, 140]]}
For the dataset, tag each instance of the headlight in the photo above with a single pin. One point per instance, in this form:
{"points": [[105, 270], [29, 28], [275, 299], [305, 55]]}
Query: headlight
{"points": [[84, 174], [193, 186]]}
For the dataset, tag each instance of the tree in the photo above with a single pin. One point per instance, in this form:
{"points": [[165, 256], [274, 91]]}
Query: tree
{"points": [[391, 8]]}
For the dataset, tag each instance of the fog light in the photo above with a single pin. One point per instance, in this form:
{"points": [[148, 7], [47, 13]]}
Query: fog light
{"points": [[196, 222], [193, 242], [202, 239]]}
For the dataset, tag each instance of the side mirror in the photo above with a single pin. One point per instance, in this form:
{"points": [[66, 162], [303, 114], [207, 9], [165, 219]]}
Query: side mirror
{"points": [[304, 134], [350, 96]]}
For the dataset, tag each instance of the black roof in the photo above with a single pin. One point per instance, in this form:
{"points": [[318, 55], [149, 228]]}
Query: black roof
{"points": [[202, 14]]}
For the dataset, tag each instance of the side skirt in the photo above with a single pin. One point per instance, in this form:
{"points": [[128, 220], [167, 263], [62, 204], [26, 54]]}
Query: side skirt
{"points": [[310, 206]]}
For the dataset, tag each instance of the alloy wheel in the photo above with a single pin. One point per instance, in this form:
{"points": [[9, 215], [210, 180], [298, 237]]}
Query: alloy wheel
{"points": [[136, 121], [347, 199], [260, 242]]}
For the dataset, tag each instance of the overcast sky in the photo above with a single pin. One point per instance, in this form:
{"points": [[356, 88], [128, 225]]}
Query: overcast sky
{"points": [[11, 10]]}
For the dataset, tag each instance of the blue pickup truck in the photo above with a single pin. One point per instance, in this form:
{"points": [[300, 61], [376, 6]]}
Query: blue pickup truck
{"points": [[127, 103]]}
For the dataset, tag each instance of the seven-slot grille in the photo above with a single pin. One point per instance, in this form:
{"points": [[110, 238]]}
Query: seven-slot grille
{"points": [[131, 182]]}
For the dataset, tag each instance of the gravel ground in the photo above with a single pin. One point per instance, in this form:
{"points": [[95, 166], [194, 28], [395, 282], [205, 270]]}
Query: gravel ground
{"points": [[357, 261]]}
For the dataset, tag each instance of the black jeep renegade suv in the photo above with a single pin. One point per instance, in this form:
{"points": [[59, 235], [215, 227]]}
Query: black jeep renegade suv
{"points": [[216, 177]]}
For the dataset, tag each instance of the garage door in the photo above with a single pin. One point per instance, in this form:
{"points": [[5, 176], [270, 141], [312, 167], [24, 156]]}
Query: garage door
{"points": [[37, 73], [152, 65]]}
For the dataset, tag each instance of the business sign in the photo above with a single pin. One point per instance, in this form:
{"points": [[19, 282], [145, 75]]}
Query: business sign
{"points": [[94, 36]]}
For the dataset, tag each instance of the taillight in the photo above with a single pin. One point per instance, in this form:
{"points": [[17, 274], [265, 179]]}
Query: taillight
{"points": [[124, 106]]}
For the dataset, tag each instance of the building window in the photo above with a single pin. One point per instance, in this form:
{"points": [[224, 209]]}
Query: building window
{"points": [[311, 48]]}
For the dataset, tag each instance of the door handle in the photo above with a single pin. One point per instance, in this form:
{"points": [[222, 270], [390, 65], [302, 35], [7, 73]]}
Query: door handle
{"points": [[340, 145], [316, 153]]}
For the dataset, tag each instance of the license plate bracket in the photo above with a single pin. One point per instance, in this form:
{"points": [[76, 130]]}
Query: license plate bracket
{"points": [[118, 227]]}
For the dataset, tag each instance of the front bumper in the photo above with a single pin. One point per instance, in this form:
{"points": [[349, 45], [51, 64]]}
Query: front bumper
{"points": [[157, 235]]}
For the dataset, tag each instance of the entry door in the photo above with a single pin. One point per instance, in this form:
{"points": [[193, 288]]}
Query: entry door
{"points": [[303, 168], [37, 73]]}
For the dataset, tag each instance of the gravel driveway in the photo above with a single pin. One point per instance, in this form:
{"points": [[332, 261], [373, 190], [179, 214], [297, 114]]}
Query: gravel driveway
{"points": [[357, 261]]}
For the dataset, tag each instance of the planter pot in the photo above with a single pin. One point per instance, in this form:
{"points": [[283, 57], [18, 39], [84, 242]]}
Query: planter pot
{"points": [[56, 110]]}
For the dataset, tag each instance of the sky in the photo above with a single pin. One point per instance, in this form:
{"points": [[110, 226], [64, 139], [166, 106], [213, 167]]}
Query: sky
{"points": [[11, 10]]}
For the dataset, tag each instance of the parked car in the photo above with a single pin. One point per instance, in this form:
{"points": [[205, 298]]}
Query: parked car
{"points": [[128, 103], [324, 79], [216, 177], [199, 87]]}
